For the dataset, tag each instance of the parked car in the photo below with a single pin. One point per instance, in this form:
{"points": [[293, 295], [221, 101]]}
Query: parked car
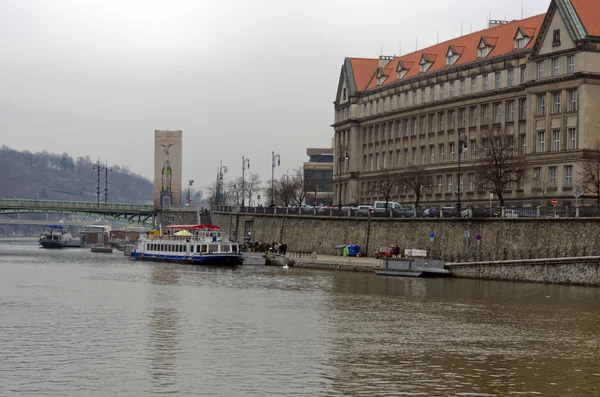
{"points": [[431, 213], [454, 213], [485, 213], [384, 252], [363, 210], [391, 205]]}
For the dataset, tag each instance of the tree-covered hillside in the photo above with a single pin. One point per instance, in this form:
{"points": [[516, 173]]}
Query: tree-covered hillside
{"points": [[50, 176]]}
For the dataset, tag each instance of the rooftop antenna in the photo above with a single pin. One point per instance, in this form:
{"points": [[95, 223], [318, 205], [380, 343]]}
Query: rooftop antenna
{"points": [[417, 44], [382, 49], [399, 47], [521, 10]]}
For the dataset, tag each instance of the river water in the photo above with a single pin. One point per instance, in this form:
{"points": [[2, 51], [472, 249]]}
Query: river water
{"points": [[76, 323]]}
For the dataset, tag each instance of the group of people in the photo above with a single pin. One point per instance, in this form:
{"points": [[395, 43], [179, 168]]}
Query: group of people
{"points": [[273, 248]]}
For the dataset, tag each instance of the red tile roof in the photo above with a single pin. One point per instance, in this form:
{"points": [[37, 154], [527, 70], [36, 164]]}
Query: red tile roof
{"points": [[589, 13], [363, 71], [501, 37]]}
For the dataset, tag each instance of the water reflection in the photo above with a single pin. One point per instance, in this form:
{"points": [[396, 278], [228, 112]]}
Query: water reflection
{"points": [[398, 336], [164, 335]]}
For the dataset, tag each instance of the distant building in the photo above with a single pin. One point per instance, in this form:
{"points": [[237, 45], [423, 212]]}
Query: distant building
{"points": [[318, 176]]}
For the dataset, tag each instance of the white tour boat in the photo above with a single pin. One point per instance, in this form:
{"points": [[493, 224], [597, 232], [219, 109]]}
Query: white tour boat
{"points": [[193, 244]]}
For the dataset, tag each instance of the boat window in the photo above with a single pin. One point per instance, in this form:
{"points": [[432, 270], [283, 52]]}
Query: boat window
{"points": [[226, 248], [204, 248], [213, 248]]}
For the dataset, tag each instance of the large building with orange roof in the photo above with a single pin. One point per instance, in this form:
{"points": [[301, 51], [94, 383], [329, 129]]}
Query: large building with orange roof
{"points": [[536, 79]]}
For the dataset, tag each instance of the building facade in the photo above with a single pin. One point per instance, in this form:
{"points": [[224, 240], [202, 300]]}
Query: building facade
{"points": [[318, 176], [536, 79]]}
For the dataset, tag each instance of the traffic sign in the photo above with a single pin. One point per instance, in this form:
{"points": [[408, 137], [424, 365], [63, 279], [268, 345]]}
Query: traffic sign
{"points": [[554, 202], [577, 192], [467, 234], [478, 237], [431, 235]]}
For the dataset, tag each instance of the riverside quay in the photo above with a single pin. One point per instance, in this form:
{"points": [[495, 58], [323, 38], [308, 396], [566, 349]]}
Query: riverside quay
{"points": [[524, 93]]}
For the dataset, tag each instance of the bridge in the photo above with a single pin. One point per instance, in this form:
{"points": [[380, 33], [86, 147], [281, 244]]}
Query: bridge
{"points": [[132, 213]]}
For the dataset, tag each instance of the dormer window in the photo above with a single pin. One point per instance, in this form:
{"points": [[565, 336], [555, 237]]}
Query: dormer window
{"points": [[453, 54], [425, 63], [380, 76], [344, 94], [523, 37], [486, 45], [402, 69]]}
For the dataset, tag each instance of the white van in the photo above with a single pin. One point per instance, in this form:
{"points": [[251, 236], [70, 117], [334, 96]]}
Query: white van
{"points": [[391, 205]]}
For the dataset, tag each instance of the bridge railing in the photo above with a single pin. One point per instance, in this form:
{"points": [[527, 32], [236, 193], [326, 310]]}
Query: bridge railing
{"points": [[74, 205]]}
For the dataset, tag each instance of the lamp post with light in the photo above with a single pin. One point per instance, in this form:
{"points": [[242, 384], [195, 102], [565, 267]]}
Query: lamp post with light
{"points": [[462, 144], [340, 158], [189, 195], [274, 156], [245, 166]]}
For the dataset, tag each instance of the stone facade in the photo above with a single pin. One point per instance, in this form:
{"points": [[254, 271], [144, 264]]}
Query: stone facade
{"points": [[578, 271], [393, 112], [454, 239]]}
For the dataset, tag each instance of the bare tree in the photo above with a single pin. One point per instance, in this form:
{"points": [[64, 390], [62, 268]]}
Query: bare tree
{"points": [[252, 186], [300, 188], [285, 190], [233, 192], [589, 173], [498, 167], [384, 188], [416, 180]]}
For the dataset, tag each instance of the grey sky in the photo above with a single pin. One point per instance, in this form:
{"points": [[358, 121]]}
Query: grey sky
{"points": [[238, 77]]}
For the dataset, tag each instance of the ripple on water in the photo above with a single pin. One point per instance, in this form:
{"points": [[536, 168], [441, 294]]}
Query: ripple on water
{"points": [[75, 323]]}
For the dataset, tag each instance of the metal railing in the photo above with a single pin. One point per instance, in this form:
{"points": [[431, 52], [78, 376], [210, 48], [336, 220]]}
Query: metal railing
{"points": [[473, 212], [73, 205], [503, 254]]}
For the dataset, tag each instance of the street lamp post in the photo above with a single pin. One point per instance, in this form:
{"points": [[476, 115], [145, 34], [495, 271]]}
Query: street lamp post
{"points": [[273, 157], [106, 171], [222, 170], [99, 168], [245, 166], [462, 142], [340, 157]]}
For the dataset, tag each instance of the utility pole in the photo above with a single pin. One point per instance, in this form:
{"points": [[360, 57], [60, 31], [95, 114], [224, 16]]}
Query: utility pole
{"points": [[99, 168], [273, 157], [106, 170]]}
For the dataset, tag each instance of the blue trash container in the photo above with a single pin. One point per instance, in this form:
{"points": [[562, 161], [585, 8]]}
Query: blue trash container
{"points": [[353, 250]]}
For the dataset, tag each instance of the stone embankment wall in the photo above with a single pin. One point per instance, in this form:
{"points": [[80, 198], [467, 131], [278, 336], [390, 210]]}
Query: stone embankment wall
{"points": [[453, 238], [577, 271]]}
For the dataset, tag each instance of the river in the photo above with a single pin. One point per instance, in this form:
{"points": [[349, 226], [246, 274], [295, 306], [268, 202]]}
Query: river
{"points": [[76, 323]]}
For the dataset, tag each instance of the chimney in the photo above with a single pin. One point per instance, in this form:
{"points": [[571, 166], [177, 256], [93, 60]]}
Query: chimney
{"points": [[384, 60], [496, 22]]}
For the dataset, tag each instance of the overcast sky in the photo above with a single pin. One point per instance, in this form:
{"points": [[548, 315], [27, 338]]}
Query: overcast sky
{"points": [[239, 77]]}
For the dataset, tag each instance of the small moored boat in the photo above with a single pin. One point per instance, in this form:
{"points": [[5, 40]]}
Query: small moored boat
{"points": [[192, 244]]}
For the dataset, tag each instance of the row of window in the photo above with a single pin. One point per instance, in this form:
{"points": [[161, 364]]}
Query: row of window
{"points": [[539, 182], [463, 87], [556, 98], [423, 155], [551, 180], [156, 247], [472, 117], [556, 144]]}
